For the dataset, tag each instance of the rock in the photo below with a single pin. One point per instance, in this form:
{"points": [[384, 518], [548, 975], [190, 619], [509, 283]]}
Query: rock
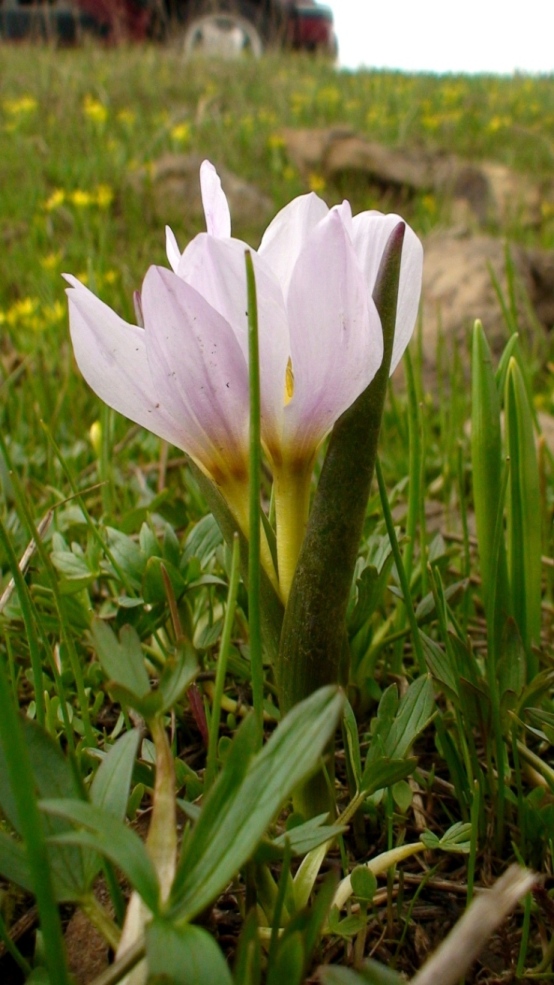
{"points": [[458, 288], [546, 423], [483, 193], [87, 951], [175, 188]]}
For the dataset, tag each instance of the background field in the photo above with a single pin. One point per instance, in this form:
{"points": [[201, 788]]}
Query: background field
{"points": [[79, 131]]}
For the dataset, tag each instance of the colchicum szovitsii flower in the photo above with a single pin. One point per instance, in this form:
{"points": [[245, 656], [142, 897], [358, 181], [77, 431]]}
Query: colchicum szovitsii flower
{"points": [[184, 375]]}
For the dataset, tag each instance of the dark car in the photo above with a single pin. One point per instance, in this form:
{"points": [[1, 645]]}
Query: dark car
{"points": [[211, 27]]}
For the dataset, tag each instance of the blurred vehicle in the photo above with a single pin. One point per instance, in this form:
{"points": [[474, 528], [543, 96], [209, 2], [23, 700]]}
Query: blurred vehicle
{"points": [[210, 27]]}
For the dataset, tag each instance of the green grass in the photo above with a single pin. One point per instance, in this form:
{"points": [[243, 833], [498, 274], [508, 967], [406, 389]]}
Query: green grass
{"points": [[75, 128]]}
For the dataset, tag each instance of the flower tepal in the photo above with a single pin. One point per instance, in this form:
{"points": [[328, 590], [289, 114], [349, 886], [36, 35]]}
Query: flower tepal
{"points": [[182, 376]]}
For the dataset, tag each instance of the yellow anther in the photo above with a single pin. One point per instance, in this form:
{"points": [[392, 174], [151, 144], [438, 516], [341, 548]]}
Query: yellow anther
{"points": [[289, 383]]}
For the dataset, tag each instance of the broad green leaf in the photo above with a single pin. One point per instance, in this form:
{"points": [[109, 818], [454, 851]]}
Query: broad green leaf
{"points": [[352, 743], [426, 608], [122, 661], [457, 839], [153, 588], [439, 664], [202, 541], [364, 883], [371, 973], [75, 571], [415, 711], [348, 927], [288, 965], [233, 822], [112, 781], [311, 920], [185, 955], [524, 514], [303, 838], [402, 795], [381, 773], [399, 723], [13, 862], [178, 673], [111, 784], [127, 555], [512, 667], [333, 975], [39, 976], [111, 838], [247, 969], [53, 777]]}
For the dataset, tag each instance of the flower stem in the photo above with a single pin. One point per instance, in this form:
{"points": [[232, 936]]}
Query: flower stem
{"points": [[292, 504]]}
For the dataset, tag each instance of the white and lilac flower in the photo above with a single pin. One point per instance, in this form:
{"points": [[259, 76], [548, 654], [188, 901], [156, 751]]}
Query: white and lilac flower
{"points": [[184, 375]]}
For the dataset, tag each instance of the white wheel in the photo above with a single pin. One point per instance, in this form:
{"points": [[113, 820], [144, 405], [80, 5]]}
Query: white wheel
{"points": [[222, 35]]}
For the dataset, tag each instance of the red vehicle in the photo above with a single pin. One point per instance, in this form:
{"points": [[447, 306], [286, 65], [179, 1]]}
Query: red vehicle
{"points": [[211, 27]]}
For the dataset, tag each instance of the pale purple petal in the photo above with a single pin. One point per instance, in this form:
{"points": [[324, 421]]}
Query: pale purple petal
{"points": [[111, 355], [371, 234], [198, 368], [216, 207], [172, 249], [216, 268], [287, 233], [336, 337]]}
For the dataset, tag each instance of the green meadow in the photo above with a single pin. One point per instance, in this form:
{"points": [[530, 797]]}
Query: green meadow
{"points": [[115, 579]]}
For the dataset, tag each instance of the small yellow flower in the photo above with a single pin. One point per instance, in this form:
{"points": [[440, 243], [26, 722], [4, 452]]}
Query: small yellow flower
{"points": [[110, 276], [95, 110], [430, 204], [56, 199], [20, 107], [275, 141], [81, 199], [180, 133], [53, 313], [316, 182], [50, 261], [104, 196], [22, 310], [127, 117]]}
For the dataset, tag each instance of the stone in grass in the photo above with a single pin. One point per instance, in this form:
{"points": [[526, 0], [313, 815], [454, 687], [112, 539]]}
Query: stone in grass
{"points": [[172, 181]]}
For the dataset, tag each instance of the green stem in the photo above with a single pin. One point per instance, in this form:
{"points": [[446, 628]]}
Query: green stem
{"points": [[254, 563], [20, 777], [222, 666], [30, 629], [416, 639], [67, 638]]}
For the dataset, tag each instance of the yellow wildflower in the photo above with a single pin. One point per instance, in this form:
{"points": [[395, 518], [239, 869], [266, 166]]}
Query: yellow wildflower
{"points": [[104, 196], [316, 182], [81, 199], [127, 117], [20, 107], [56, 199], [180, 133], [95, 110], [50, 261]]}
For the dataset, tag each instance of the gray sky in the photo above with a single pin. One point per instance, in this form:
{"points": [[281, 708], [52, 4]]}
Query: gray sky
{"points": [[500, 36]]}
